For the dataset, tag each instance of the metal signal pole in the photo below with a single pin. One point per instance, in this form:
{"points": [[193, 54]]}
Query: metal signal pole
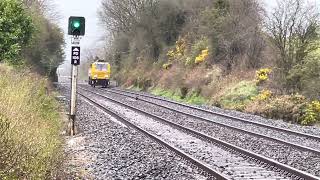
{"points": [[75, 61], [76, 28], [73, 103]]}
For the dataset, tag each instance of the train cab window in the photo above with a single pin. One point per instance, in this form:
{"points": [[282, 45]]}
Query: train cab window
{"points": [[102, 67]]}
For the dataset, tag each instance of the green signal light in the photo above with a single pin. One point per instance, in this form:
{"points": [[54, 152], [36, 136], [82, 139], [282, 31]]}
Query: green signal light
{"points": [[76, 24]]}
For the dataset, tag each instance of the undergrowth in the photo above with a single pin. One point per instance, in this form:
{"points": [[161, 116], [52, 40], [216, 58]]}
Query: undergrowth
{"points": [[238, 96], [248, 93], [30, 144], [190, 98]]}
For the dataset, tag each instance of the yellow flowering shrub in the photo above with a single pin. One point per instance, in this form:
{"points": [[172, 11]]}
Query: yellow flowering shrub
{"points": [[181, 46], [312, 113], [167, 66], [179, 49], [171, 54], [263, 75], [202, 56], [264, 95]]}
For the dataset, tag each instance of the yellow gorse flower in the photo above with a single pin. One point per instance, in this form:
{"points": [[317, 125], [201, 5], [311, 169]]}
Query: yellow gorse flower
{"points": [[263, 75], [167, 66], [179, 50], [202, 56], [264, 95]]}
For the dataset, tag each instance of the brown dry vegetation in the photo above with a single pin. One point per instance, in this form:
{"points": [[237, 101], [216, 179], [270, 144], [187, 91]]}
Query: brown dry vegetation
{"points": [[212, 49], [29, 126]]}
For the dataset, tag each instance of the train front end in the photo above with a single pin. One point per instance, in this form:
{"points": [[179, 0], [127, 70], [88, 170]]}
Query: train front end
{"points": [[99, 74]]}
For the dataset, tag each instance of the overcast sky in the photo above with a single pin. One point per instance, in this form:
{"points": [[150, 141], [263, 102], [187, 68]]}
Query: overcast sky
{"points": [[94, 32], [89, 10]]}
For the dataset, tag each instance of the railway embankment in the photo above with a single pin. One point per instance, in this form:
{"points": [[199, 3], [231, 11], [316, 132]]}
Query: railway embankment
{"points": [[30, 126]]}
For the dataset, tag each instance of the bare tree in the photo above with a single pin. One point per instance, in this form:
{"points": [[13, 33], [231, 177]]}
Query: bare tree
{"points": [[122, 16], [235, 31], [246, 23], [44, 7], [293, 28]]}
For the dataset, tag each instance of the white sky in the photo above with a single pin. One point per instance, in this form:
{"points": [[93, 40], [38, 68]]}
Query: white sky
{"points": [[94, 32], [93, 38]]}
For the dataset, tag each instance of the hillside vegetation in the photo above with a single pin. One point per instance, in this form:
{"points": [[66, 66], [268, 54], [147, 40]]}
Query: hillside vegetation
{"points": [[31, 49], [29, 38], [228, 53]]}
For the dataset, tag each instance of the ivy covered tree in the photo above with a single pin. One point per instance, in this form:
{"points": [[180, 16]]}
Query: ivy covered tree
{"points": [[16, 30]]}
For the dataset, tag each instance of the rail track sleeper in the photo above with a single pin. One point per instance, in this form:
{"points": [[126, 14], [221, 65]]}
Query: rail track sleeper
{"points": [[272, 162]]}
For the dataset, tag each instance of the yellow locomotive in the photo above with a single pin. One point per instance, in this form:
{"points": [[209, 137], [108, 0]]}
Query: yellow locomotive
{"points": [[99, 74]]}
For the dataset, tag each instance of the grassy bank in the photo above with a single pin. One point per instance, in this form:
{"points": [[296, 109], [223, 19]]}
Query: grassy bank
{"points": [[190, 98], [30, 144]]}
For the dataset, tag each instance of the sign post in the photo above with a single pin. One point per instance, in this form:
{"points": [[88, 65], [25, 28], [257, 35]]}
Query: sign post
{"points": [[76, 28], [75, 61]]}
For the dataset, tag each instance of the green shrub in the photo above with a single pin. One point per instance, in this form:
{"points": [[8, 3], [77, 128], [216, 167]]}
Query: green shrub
{"points": [[29, 126], [15, 30], [291, 108], [305, 77], [311, 113]]}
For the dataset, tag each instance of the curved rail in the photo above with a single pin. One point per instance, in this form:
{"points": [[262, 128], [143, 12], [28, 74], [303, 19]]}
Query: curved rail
{"points": [[197, 163], [295, 173]]}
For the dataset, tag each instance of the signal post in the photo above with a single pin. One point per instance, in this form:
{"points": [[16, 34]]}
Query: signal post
{"points": [[76, 29]]}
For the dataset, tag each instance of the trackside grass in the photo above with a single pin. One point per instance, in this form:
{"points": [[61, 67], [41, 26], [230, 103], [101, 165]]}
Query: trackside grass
{"points": [[30, 126], [191, 98]]}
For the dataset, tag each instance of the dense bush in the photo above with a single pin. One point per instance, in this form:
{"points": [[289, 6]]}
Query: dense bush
{"points": [[45, 51], [28, 38], [311, 113], [29, 126], [291, 108], [16, 30], [305, 77]]}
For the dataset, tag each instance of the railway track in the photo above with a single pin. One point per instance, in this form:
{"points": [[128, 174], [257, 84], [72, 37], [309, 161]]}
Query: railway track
{"points": [[211, 172], [124, 92], [288, 141], [270, 164]]}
